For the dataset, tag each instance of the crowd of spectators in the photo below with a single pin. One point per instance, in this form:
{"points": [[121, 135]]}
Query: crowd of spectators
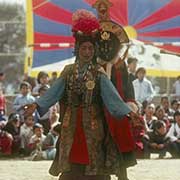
{"points": [[32, 136], [156, 131], [158, 128]]}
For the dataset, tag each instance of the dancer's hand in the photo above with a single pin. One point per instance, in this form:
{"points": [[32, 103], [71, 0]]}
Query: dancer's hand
{"points": [[133, 115], [29, 109]]}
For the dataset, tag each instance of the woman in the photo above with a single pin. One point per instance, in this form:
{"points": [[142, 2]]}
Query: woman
{"points": [[86, 150]]}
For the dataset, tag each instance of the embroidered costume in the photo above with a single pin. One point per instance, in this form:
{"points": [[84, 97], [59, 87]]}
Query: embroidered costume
{"points": [[86, 149]]}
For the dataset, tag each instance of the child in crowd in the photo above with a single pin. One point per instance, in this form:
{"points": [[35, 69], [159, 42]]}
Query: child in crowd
{"points": [[174, 106], [54, 115], [30, 80], [23, 98], [45, 119], [2, 105], [161, 115], [158, 141], [166, 106], [174, 131], [12, 129], [51, 116], [36, 142], [53, 78], [43, 80], [49, 144], [26, 132], [149, 116]]}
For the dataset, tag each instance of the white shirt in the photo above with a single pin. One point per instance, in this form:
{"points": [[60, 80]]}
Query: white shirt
{"points": [[176, 87], [41, 139], [143, 90], [26, 131], [149, 124], [174, 132]]}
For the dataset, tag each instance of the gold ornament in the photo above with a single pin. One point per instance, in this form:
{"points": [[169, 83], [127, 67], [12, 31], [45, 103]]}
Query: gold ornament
{"points": [[102, 7], [90, 85], [110, 26], [105, 35]]}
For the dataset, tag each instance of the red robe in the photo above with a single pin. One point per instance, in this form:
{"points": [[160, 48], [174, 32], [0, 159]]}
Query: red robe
{"points": [[79, 143], [121, 129]]}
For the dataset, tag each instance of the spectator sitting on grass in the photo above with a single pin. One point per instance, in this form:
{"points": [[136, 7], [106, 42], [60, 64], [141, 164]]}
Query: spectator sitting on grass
{"points": [[174, 131], [161, 115], [149, 116], [26, 132], [36, 141], [158, 141], [5, 141], [49, 144], [12, 129]]}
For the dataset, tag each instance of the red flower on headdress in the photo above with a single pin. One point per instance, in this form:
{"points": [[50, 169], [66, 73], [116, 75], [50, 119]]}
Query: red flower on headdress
{"points": [[84, 22]]}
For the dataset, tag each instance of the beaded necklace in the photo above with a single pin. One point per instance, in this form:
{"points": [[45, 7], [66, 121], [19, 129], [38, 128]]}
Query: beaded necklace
{"points": [[81, 83], [82, 86]]}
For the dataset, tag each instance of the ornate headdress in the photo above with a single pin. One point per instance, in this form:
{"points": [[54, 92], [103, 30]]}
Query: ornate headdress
{"points": [[85, 26], [113, 36]]}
